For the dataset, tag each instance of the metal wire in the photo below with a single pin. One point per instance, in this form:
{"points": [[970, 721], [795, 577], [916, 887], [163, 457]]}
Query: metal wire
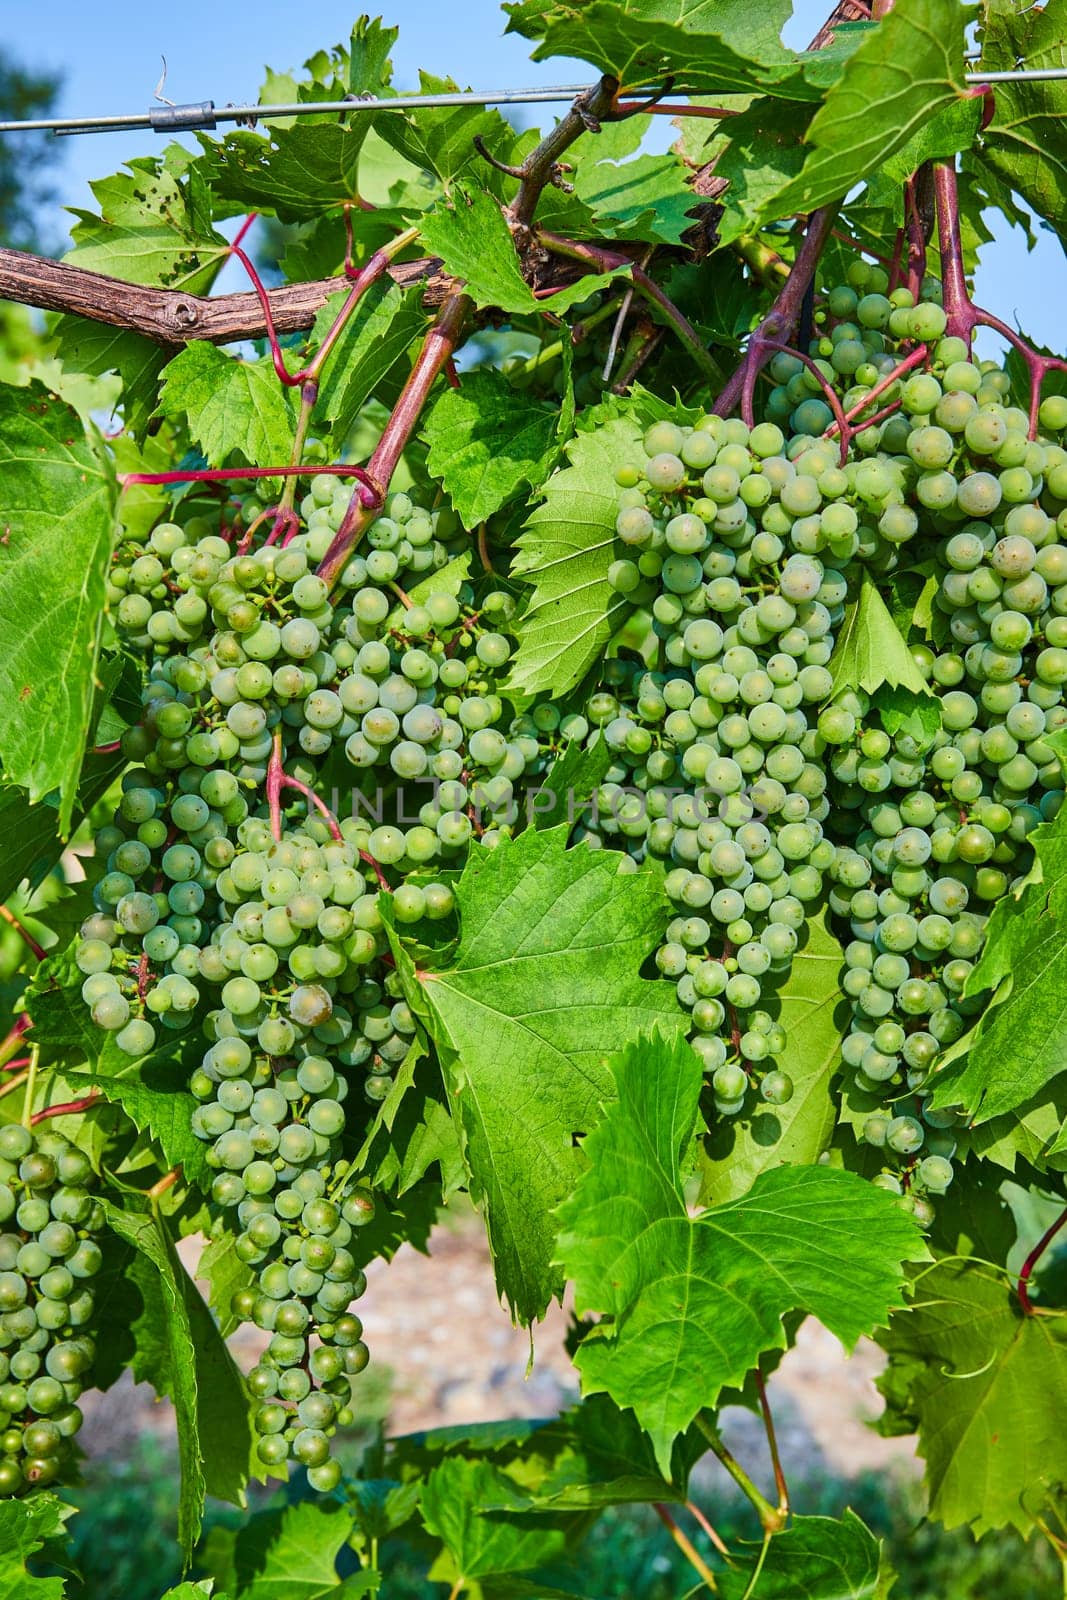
{"points": [[166, 118], [204, 114]]}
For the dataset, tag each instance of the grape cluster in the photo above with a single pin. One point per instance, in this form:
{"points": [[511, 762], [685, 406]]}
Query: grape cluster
{"points": [[216, 912], [734, 759], [714, 749], [939, 826], [48, 1259]]}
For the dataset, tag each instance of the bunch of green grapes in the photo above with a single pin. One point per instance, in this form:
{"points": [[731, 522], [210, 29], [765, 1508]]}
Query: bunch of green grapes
{"points": [[939, 827], [48, 1260], [298, 1011], [714, 749], [156, 905]]}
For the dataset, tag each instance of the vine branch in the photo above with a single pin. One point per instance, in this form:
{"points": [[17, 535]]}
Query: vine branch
{"points": [[541, 166], [167, 315]]}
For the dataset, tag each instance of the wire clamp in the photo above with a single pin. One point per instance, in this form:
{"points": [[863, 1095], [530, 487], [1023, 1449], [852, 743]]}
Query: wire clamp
{"points": [[198, 114]]}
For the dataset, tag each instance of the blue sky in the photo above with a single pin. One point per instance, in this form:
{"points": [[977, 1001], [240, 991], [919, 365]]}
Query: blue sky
{"points": [[215, 49]]}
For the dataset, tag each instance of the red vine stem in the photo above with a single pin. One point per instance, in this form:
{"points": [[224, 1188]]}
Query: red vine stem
{"points": [[772, 1445], [9, 1046], [698, 1515], [278, 780], [915, 359], [781, 320], [962, 315], [238, 237], [833, 399], [68, 1108], [1026, 1271], [916, 238], [24, 934], [369, 496]]}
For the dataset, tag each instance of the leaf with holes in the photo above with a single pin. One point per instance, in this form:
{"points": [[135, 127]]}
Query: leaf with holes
{"points": [[1025, 143], [153, 227], [712, 47]]}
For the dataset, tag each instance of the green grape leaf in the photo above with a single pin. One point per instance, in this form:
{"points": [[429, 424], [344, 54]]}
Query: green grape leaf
{"points": [[57, 509], [947, 133], [1025, 144], [440, 139], [564, 794], [695, 1302], [633, 196], [298, 172], [870, 651], [608, 1460], [480, 1543], [1021, 1043], [225, 1273], [381, 1505], [195, 1591], [759, 156], [565, 551], [902, 710], [179, 1350], [232, 406], [25, 1525], [903, 73], [711, 47], [95, 348], [543, 985], [488, 443], [1028, 1132], [32, 841], [808, 1006], [413, 1129], [475, 245], [307, 166], [377, 337], [154, 226], [1020, 919], [816, 1558], [291, 1553], [978, 1378]]}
